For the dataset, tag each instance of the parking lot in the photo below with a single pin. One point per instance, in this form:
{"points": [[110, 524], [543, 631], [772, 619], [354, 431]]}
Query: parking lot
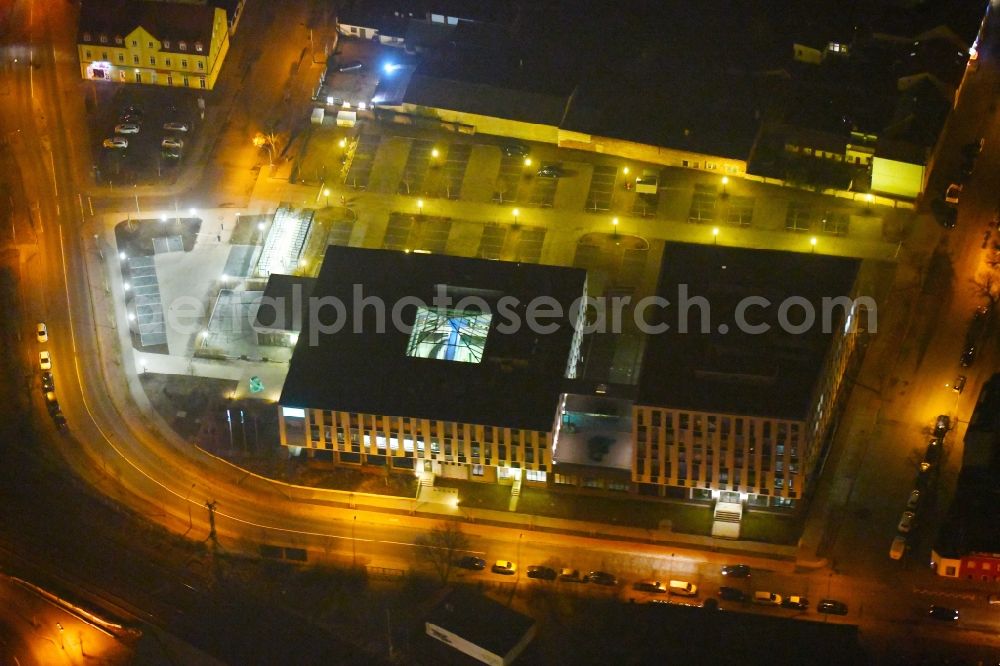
{"points": [[145, 160]]}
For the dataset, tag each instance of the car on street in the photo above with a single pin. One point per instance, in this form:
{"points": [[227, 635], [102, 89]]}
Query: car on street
{"points": [[906, 522], [981, 312], [515, 149], [736, 570], [171, 142], [932, 454], [59, 420], [971, 150], [175, 127], [898, 548], [51, 403], [171, 154], [571, 576], [504, 568], [48, 383], [654, 586], [952, 194], [831, 607], [732, 594], [968, 356], [44, 360], [602, 578], [913, 500], [942, 425], [127, 128], [42, 332], [959, 384], [767, 598], [550, 171], [993, 600], [795, 601], [540, 572], [682, 588], [115, 142], [471, 562], [943, 613]]}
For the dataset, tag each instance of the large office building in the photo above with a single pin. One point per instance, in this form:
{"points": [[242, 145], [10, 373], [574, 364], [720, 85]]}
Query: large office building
{"points": [[174, 44], [429, 365]]}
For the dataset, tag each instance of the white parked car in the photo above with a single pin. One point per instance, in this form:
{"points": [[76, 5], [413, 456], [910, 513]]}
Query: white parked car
{"points": [[913, 500], [45, 360], [906, 522], [127, 128], [116, 142], [898, 547], [175, 127], [767, 598], [42, 332], [952, 194], [170, 142]]}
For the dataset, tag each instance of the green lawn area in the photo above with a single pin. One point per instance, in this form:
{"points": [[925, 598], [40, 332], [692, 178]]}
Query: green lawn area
{"points": [[769, 528]]}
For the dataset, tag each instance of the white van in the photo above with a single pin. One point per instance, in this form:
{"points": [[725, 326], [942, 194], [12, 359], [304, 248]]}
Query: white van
{"points": [[682, 588], [897, 548]]}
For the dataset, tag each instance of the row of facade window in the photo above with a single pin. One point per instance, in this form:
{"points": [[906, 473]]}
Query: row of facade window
{"points": [[170, 78], [167, 62], [181, 45], [712, 423], [418, 429]]}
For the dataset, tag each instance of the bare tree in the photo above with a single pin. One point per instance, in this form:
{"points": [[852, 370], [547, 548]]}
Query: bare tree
{"points": [[440, 546], [267, 140], [987, 284]]}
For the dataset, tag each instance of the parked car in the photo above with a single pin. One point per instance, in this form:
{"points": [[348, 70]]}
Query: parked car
{"points": [[736, 570], [971, 150], [571, 576], [683, 588], [550, 171], [471, 562], [906, 522], [943, 613], [44, 360], [50, 402], [913, 500], [831, 607], [48, 382], [175, 127], [602, 578], [42, 332], [115, 142], [942, 425], [59, 420], [952, 194], [932, 454], [171, 154], [540, 572], [959, 384], [898, 548], [504, 568], [968, 356], [653, 586], [515, 149], [127, 128], [795, 601], [170, 142], [732, 594], [767, 598], [132, 114], [946, 215]]}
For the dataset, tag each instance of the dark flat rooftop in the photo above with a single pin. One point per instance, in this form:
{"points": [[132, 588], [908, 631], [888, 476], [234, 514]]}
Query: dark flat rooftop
{"points": [[516, 384], [480, 620], [769, 374], [284, 301]]}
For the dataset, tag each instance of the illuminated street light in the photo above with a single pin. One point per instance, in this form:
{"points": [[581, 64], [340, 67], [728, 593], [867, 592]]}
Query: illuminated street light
{"points": [[725, 181], [435, 153], [527, 161], [515, 212], [624, 171], [614, 224], [420, 206], [715, 235], [131, 317], [342, 143], [193, 211], [326, 193], [812, 242], [163, 218], [260, 226], [122, 256], [126, 286]]}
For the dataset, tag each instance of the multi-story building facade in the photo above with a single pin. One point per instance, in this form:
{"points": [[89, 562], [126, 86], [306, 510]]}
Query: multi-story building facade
{"points": [[181, 45], [736, 406], [456, 390]]}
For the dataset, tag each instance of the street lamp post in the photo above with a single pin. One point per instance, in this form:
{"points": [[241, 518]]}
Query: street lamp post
{"points": [[725, 181], [812, 242], [515, 213], [420, 206], [614, 225], [715, 236], [326, 193], [354, 542]]}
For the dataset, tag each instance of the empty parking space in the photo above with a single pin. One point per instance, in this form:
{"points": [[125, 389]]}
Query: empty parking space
{"points": [[361, 162], [798, 217], [703, 204], [492, 241], [645, 205], [740, 211], [602, 187], [453, 172], [415, 171], [406, 232], [509, 179], [340, 233], [544, 191]]}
